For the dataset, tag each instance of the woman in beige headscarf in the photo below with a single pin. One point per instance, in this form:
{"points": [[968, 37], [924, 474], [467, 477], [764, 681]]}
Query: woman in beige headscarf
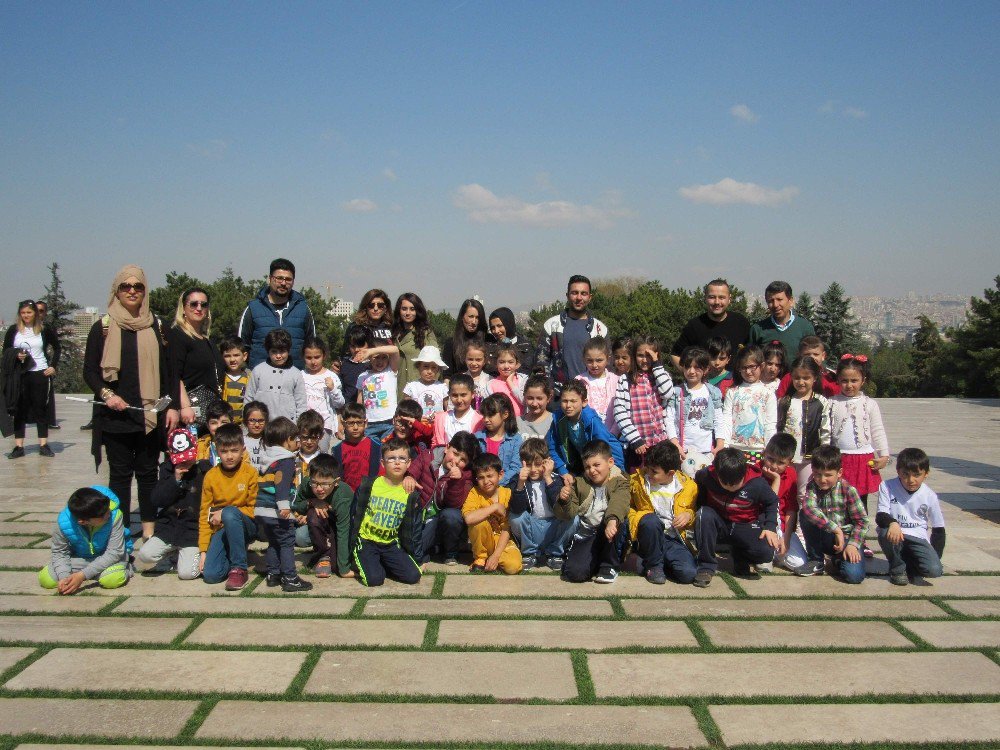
{"points": [[125, 364]]}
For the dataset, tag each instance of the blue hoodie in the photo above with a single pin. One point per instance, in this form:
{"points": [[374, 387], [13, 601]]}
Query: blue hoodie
{"points": [[565, 454]]}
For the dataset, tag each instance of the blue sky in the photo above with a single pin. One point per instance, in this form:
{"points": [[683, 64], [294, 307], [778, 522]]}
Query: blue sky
{"points": [[494, 148]]}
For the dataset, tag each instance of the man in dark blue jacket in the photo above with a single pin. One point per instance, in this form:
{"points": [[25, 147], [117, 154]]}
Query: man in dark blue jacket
{"points": [[276, 305]]}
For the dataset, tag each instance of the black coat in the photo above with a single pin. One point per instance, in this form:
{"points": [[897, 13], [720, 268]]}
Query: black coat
{"points": [[11, 373], [178, 504]]}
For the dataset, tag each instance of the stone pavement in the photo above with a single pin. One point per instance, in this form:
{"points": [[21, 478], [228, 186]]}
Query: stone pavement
{"points": [[480, 661]]}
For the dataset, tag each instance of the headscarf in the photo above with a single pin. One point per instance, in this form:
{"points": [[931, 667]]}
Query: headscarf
{"points": [[509, 326], [147, 343]]}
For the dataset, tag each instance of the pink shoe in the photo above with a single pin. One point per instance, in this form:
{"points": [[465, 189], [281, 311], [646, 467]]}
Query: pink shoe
{"points": [[237, 579]]}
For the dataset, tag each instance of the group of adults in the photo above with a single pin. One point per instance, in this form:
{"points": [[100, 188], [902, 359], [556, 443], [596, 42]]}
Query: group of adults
{"points": [[133, 359]]}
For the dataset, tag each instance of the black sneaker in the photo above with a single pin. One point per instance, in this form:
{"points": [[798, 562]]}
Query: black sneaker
{"points": [[919, 581], [656, 575], [45, 450], [18, 452], [606, 574], [291, 584], [54, 427], [899, 579], [88, 426], [702, 578], [810, 568], [746, 573], [554, 563], [272, 580], [528, 562]]}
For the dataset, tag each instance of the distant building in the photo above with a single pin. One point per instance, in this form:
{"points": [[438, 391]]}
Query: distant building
{"points": [[83, 320], [342, 308]]}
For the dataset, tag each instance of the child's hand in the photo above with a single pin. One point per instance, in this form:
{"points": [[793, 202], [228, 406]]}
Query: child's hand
{"points": [[567, 480], [499, 511], [410, 484], [838, 542], [72, 583], [335, 366], [321, 510], [683, 520], [329, 384], [851, 554], [340, 433], [894, 534], [771, 538], [880, 463], [641, 450], [360, 355], [564, 493], [681, 449], [201, 562], [454, 472], [300, 519], [550, 467], [769, 474], [493, 561], [215, 519], [611, 529], [284, 513], [523, 474]]}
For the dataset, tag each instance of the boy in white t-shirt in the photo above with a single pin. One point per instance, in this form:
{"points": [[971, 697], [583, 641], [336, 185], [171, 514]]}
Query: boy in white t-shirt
{"points": [[429, 391], [694, 413], [377, 388], [909, 520]]}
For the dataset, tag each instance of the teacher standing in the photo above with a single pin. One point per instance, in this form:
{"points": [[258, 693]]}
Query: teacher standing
{"points": [[194, 358]]}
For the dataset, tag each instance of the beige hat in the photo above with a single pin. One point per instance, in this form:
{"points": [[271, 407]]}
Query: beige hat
{"points": [[430, 354]]}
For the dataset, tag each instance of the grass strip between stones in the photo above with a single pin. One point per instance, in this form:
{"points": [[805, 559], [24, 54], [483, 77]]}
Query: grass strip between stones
{"points": [[584, 682]]}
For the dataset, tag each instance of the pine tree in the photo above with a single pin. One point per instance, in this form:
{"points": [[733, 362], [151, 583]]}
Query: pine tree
{"points": [[804, 307], [757, 311], [975, 351], [834, 322], [69, 374]]}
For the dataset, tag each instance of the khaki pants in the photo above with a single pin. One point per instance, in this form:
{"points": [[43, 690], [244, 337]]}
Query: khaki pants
{"points": [[484, 542]]}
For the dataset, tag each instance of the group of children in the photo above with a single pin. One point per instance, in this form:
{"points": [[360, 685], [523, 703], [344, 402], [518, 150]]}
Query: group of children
{"points": [[774, 459]]}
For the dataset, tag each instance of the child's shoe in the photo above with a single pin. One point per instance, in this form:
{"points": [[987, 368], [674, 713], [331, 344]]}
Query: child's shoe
{"points": [[702, 578], [745, 572], [237, 579], [555, 563], [810, 568], [919, 581], [450, 560], [764, 568], [867, 551], [606, 574], [899, 579], [293, 584], [323, 569], [656, 575], [272, 580], [528, 562]]}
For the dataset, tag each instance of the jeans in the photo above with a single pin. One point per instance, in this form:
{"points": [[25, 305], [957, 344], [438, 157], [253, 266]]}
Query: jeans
{"points": [[820, 543], [912, 556], [744, 538], [378, 430], [280, 554], [228, 547], [546, 536], [375, 562], [659, 549], [450, 525]]}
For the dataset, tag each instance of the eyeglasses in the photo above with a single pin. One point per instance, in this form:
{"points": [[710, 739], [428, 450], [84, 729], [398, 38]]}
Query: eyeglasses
{"points": [[308, 438], [354, 422], [324, 485], [749, 368], [283, 279], [256, 421], [137, 287], [376, 305], [198, 305], [395, 459]]}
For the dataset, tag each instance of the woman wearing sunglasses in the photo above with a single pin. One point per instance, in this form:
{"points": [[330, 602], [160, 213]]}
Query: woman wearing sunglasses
{"points": [[195, 360], [374, 315], [30, 338], [125, 364]]}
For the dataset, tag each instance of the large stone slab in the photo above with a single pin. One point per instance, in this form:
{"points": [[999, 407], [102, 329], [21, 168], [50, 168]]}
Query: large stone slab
{"points": [[349, 587], [673, 675], [803, 634], [234, 605], [309, 632], [985, 634], [11, 656], [33, 559], [489, 607], [167, 584], [507, 676], [21, 583], [46, 604], [26, 527], [48, 517], [841, 609], [54, 629], [791, 586], [592, 636], [195, 672], [857, 723], [977, 607], [101, 717], [10, 540], [413, 723], [551, 587]]}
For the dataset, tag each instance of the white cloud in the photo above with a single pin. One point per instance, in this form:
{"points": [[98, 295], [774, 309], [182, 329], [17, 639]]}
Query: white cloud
{"points": [[359, 206], [857, 114], [744, 113], [728, 191], [485, 207], [832, 107], [389, 175], [214, 149]]}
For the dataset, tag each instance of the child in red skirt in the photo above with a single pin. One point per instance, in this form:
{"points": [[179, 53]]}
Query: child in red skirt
{"points": [[856, 428]]}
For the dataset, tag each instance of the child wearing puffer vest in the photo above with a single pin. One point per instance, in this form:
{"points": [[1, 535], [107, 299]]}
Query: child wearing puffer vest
{"points": [[89, 543]]}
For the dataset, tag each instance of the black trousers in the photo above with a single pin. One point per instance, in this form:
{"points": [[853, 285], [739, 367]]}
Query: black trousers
{"points": [[375, 562], [744, 538], [589, 551], [50, 407], [133, 454], [31, 406]]}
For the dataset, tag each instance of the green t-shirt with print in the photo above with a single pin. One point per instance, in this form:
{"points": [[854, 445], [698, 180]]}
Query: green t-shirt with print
{"points": [[384, 513]]}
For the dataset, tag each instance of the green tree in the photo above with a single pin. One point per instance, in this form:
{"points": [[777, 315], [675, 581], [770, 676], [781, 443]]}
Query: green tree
{"points": [[927, 350], [230, 295], [804, 307], [443, 325], [835, 323], [892, 372], [757, 312], [69, 374], [975, 351]]}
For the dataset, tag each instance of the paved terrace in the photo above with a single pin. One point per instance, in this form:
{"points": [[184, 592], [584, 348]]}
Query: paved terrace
{"points": [[463, 661]]}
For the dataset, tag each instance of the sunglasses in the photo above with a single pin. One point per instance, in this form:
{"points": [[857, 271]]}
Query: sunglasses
{"points": [[137, 287], [198, 305], [376, 305]]}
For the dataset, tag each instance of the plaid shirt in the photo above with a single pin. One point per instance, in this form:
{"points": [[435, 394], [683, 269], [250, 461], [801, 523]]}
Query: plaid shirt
{"points": [[839, 508], [640, 407]]}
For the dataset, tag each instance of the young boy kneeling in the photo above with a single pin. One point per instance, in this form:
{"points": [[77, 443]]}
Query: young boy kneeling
{"points": [[387, 528], [910, 522], [329, 501], [662, 507], [89, 542], [599, 501], [485, 513], [734, 509], [833, 519]]}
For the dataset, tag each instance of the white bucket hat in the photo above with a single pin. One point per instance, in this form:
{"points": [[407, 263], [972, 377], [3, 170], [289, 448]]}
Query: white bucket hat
{"points": [[430, 354]]}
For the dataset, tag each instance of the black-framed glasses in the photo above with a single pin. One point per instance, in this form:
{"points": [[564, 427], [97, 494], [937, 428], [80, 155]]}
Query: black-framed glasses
{"points": [[283, 279], [136, 287]]}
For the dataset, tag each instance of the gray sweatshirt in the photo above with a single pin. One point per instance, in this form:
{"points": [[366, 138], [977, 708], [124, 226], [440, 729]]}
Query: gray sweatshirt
{"points": [[63, 564]]}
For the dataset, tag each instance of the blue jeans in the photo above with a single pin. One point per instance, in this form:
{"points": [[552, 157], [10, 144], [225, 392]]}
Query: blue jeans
{"points": [[912, 557], [548, 536], [302, 538], [378, 430], [820, 542], [228, 548], [449, 524]]}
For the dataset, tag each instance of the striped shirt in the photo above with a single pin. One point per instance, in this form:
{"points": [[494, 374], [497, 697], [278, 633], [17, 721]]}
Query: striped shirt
{"points": [[232, 394]]}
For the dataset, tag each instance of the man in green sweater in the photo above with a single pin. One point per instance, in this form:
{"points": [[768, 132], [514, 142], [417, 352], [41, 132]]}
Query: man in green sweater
{"points": [[782, 324]]}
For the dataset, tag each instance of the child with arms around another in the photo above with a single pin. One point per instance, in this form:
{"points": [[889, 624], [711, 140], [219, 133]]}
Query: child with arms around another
{"points": [[89, 542], [408, 424], [598, 502], [662, 501], [776, 468], [328, 517], [641, 400], [910, 522], [324, 394], [532, 518], [475, 363], [601, 383], [804, 414], [694, 411], [720, 353], [358, 454], [577, 426], [833, 519], [377, 388], [536, 419], [485, 513], [750, 410], [814, 348], [499, 435], [218, 413], [277, 383]]}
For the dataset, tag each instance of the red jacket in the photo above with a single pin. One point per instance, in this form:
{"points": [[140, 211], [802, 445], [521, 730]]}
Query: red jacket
{"points": [[752, 502], [443, 490], [788, 488]]}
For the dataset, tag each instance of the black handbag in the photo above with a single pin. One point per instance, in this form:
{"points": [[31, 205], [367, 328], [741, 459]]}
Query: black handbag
{"points": [[201, 398]]}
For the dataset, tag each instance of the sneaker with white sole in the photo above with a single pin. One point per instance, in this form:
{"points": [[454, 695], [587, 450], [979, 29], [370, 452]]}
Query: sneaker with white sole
{"points": [[606, 574], [810, 568]]}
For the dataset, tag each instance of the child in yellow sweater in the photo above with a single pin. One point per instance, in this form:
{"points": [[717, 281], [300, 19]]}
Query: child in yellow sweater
{"points": [[485, 513]]}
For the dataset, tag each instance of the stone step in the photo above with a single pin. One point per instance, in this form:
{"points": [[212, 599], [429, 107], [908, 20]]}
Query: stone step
{"points": [[234, 605], [54, 629], [977, 607], [45, 604], [564, 634], [26, 527], [350, 587], [308, 632], [790, 586], [34, 559], [803, 634], [414, 723], [747, 675], [489, 607], [985, 634], [195, 672], [549, 586], [855, 723], [9, 656], [505, 676], [100, 717], [750, 608], [10, 540]]}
